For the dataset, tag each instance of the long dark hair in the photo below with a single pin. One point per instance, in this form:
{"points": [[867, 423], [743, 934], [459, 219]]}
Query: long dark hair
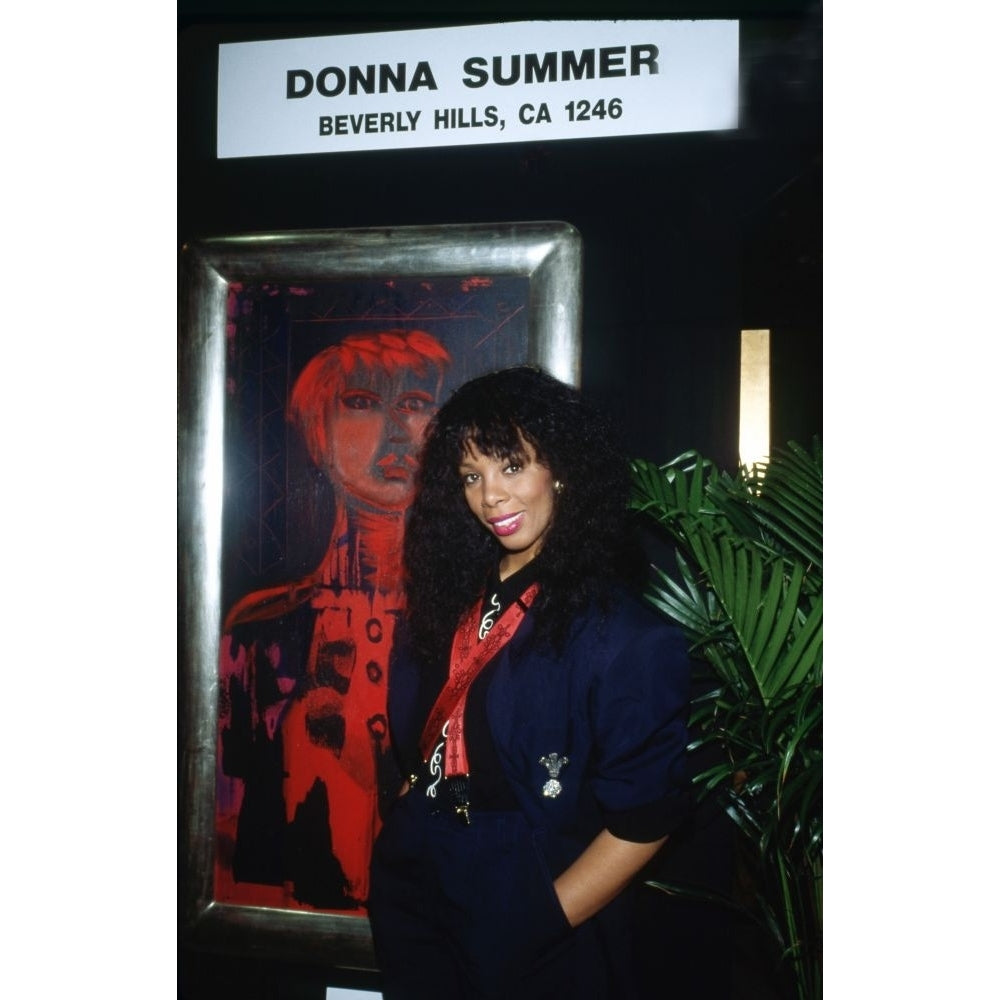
{"points": [[447, 553]]}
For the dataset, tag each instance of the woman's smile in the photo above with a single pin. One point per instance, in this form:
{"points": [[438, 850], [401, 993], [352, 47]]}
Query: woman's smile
{"points": [[506, 525]]}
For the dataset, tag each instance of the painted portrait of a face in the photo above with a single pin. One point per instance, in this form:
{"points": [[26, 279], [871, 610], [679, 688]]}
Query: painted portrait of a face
{"points": [[363, 407]]}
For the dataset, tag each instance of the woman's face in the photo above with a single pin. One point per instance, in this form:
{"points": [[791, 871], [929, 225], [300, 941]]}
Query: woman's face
{"points": [[514, 501], [375, 426]]}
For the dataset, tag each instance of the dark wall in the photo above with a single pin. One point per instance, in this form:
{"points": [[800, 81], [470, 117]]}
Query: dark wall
{"points": [[687, 240]]}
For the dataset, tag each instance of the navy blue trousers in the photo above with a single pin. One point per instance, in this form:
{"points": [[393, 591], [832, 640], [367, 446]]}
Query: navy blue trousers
{"points": [[470, 913]]}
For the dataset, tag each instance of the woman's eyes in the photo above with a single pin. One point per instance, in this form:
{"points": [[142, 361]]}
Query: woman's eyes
{"points": [[510, 469]]}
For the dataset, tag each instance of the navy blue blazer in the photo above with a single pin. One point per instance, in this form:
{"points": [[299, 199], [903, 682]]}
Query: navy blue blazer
{"points": [[614, 701]]}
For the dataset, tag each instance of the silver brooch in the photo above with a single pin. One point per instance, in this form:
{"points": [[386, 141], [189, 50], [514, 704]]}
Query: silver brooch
{"points": [[552, 763]]}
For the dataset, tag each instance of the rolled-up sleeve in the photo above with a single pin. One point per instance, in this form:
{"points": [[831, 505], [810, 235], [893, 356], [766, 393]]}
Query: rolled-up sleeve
{"points": [[639, 710]]}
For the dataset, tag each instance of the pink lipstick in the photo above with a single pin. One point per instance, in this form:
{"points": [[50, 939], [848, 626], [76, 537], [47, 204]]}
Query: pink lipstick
{"points": [[506, 525]]}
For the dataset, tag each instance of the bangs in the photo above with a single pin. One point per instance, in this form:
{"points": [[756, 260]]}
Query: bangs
{"points": [[498, 440], [501, 415]]}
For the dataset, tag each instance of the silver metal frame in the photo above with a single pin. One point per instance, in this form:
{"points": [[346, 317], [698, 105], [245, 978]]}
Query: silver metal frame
{"points": [[550, 255]]}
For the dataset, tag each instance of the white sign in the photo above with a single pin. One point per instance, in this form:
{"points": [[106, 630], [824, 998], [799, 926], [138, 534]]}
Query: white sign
{"points": [[528, 81]]}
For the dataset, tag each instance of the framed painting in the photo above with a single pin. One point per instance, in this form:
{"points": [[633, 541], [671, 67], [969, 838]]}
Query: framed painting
{"points": [[309, 365]]}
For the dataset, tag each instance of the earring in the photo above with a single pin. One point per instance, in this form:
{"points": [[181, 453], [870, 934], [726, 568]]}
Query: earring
{"points": [[557, 486]]}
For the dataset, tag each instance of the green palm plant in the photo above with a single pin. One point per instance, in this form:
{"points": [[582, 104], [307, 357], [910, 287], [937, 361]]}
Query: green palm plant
{"points": [[748, 592]]}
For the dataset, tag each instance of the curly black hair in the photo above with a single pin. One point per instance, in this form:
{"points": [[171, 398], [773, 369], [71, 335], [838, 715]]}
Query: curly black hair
{"points": [[448, 555]]}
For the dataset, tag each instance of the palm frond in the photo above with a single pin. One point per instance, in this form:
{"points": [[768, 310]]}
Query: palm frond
{"points": [[749, 598]]}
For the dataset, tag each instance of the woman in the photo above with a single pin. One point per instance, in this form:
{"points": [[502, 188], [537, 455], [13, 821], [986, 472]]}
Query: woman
{"points": [[538, 710]]}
